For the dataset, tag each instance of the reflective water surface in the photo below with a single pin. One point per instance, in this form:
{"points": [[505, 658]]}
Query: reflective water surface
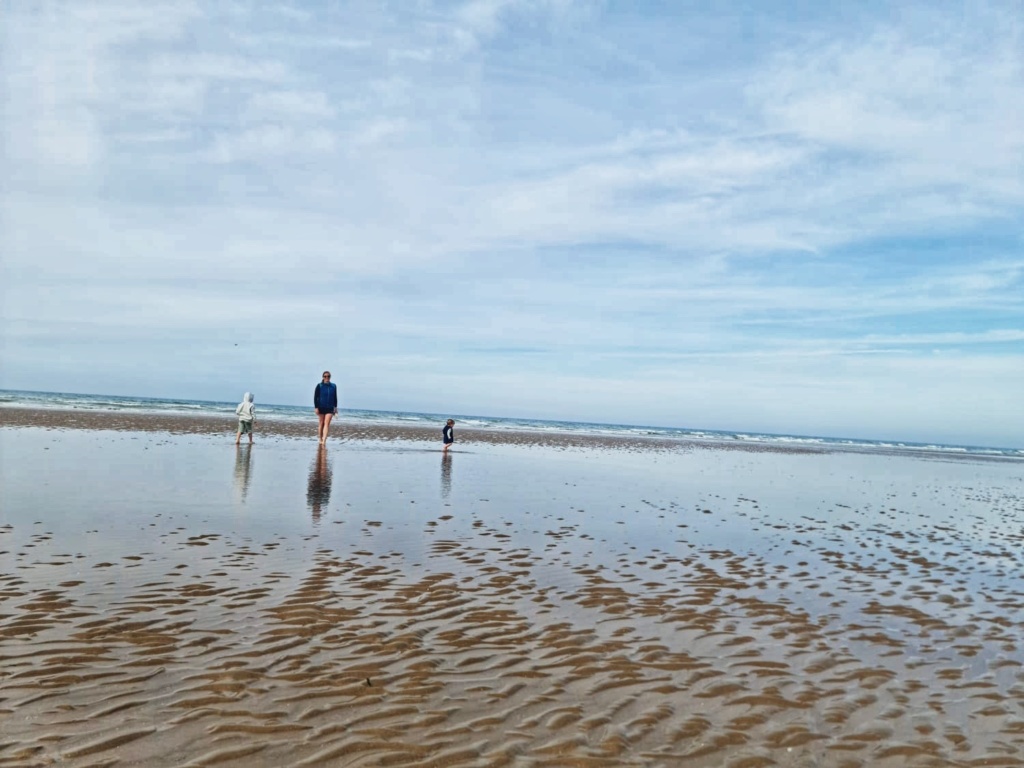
{"points": [[172, 600]]}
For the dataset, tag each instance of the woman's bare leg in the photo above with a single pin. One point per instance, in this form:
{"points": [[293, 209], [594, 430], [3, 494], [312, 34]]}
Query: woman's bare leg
{"points": [[327, 425]]}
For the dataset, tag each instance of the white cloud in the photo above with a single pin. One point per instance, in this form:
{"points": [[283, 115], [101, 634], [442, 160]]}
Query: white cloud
{"points": [[57, 74], [213, 68], [379, 131], [303, 40], [289, 105], [937, 120], [271, 140]]}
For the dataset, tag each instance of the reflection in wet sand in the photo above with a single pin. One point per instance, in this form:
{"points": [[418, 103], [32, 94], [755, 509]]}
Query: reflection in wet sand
{"points": [[446, 474], [318, 490], [879, 628], [243, 468]]}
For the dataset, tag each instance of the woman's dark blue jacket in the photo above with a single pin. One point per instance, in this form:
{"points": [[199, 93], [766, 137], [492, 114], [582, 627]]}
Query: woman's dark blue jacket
{"points": [[325, 397]]}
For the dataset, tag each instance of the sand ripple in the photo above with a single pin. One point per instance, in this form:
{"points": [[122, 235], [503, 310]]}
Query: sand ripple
{"points": [[357, 662]]}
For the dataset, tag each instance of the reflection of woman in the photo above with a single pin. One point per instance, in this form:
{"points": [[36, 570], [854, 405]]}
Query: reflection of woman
{"points": [[325, 403], [243, 459], [318, 493]]}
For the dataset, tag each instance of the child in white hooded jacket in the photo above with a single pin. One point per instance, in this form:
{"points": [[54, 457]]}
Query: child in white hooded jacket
{"points": [[246, 413]]}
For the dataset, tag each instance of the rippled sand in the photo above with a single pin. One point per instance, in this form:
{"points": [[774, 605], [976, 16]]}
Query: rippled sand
{"points": [[513, 606]]}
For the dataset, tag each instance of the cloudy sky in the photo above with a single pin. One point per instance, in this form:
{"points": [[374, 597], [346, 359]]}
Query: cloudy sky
{"points": [[730, 215]]}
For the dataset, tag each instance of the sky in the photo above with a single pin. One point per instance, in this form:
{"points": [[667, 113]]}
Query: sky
{"points": [[784, 217]]}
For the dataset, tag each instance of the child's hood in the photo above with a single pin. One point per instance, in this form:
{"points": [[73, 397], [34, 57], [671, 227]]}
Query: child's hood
{"points": [[247, 397]]}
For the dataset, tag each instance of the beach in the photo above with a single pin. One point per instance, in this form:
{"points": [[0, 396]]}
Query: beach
{"points": [[530, 599]]}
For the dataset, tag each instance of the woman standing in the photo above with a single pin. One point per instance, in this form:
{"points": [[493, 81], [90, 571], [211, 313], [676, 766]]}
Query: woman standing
{"points": [[325, 403]]}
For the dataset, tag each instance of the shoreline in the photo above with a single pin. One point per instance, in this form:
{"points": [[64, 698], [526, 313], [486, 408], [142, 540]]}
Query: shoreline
{"points": [[181, 415], [204, 424]]}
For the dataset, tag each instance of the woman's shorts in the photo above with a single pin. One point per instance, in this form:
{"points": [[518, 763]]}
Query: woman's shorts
{"points": [[244, 427]]}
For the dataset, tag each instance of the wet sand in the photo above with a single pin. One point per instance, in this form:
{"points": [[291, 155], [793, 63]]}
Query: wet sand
{"points": [[341, 431], [167, 599]]}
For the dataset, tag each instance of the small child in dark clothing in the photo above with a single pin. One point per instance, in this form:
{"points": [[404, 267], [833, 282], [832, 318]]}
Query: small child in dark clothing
{"points": [[449, 434]]}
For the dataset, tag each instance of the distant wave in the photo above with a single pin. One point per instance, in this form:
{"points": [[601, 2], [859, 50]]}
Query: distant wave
{"points": [[114, 403]]}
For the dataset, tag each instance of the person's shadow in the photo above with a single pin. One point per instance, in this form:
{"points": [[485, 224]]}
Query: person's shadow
{"points": [[446, 474], [318, 492], [243, 466]]}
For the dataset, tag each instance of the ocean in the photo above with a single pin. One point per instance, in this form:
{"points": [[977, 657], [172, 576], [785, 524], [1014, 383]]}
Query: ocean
{"points": [[117, 403]]}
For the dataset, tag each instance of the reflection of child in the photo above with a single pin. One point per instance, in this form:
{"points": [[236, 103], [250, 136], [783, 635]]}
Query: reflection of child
{"points": [[449, 434], [246, 413]]}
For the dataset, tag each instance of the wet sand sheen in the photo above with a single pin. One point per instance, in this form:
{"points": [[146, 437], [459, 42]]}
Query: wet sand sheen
{"points": [[340, 430], [866, 642]]}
